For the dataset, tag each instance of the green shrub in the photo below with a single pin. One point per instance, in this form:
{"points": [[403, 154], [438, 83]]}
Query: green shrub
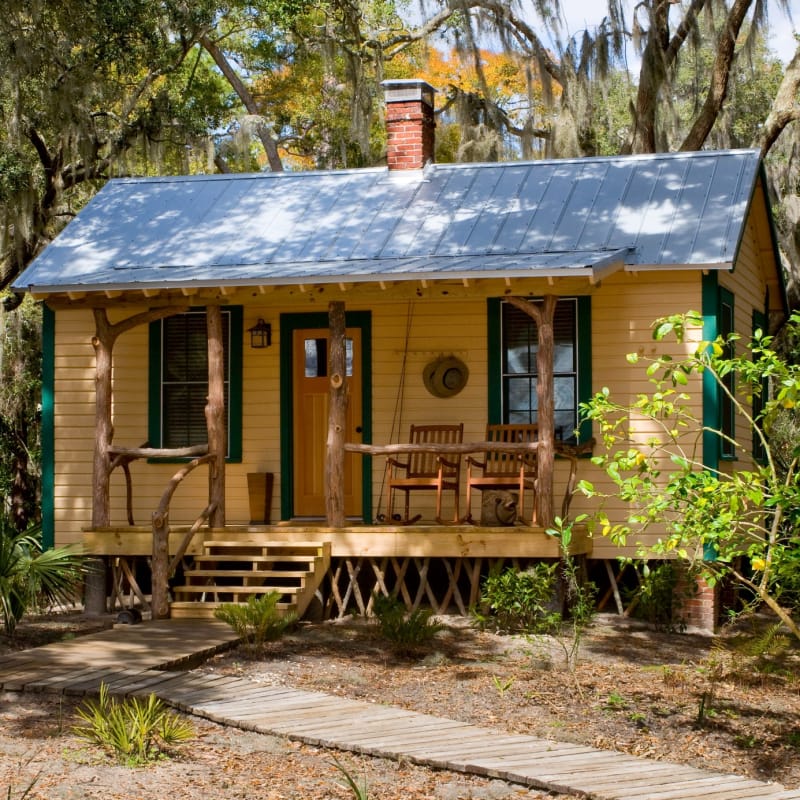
{"points": [[521, 600], [656, 596], [406, 632], [134, 730], [257, 621]]}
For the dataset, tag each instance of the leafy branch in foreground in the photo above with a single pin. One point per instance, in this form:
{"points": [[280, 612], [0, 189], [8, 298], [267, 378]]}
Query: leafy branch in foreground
{"points": [[720, 521], [31, 577]]}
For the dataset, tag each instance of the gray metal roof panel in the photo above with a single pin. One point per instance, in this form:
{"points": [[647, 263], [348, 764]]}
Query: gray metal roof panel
{"points": [[686, 208]]}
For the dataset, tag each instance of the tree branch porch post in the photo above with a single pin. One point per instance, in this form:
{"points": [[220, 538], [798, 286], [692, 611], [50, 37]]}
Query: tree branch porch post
{"points": [[337, 418], [543, 315], [105, 336]]}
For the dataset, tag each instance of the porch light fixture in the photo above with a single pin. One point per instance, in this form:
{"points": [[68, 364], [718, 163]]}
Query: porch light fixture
{"points": [[260, 335]]}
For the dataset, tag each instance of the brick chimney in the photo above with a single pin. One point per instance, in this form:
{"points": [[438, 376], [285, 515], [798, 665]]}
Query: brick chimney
{"points": [[409, 123]]}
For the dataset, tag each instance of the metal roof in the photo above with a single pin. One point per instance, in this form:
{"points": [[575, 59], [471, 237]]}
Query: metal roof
{"points": [[542, 218]]}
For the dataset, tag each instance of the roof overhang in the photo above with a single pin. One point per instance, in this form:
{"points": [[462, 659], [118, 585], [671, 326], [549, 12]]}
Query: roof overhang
{"points": [[594, 265]]}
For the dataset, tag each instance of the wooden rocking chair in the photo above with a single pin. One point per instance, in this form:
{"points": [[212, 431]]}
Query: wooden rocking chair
{"points": [[426, 471], [513, 472]]}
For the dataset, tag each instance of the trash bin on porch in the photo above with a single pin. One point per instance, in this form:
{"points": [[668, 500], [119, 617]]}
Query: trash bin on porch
{"points": [[259, 489]]}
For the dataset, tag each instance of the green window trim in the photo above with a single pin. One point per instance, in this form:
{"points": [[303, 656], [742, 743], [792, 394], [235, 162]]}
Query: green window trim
{"points": [[494, 344], [235, 361], [288, 324], [48, 427]]}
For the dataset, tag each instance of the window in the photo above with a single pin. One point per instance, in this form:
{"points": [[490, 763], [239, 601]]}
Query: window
{"points": [[514, 377], [727, 409], [179, 379]]}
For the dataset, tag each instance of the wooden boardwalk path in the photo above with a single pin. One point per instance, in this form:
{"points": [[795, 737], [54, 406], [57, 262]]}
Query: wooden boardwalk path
{"points": [[156, 658]]}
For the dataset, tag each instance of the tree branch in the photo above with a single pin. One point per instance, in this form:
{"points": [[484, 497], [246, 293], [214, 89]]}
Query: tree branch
{"points": [[244, 94]]}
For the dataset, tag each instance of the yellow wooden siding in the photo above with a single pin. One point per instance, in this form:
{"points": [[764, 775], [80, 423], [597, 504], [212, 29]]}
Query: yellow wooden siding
{"points": [[73, 409], [407, 333]]}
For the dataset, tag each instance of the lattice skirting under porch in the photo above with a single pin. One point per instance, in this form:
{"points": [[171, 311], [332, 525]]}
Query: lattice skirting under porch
{"points": [[446, 585]]}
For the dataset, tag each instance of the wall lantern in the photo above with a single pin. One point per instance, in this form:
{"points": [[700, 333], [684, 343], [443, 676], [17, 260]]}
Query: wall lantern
{"points": [[260, 335]]}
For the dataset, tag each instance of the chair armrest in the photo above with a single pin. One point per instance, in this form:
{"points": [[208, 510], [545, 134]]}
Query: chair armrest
{"points": [[447, 463], [393, 462], [475, 462]]}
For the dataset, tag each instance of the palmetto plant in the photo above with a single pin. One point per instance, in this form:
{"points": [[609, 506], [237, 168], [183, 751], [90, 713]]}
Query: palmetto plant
{"points": [[135, 729], [31, 577]]}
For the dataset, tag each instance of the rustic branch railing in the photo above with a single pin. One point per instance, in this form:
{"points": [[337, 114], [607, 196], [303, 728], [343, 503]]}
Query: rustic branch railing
{"points": [[162, 567], [159, 603], [562, 449], [123, 456]]}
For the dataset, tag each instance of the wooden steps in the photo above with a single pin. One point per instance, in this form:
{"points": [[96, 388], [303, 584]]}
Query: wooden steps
{"points": [[233, 570]]}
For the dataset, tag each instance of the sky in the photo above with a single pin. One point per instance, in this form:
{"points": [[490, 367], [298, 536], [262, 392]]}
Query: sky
{"points": [[579, 13]]}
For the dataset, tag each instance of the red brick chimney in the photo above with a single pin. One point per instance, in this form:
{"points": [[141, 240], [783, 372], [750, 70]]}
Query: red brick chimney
{"points": [[409, 123]]}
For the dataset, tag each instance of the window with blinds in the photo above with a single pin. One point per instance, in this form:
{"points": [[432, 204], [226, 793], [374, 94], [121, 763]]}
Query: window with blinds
{"points": [[179, 380], [519, 343], [184, 381]]}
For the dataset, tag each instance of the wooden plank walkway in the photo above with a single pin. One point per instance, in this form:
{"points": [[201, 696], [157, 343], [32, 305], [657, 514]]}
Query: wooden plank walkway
{"points": [[133, 660]]}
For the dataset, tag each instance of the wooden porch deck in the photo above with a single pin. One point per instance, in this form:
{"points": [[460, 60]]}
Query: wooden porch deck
{"points": [[437, 565], [131, 660]]}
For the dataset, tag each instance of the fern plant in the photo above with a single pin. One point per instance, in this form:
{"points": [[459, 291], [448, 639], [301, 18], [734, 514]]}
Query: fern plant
{"points": [[135, 730]]}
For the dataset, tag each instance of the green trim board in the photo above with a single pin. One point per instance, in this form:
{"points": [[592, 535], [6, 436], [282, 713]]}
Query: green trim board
{"points": [[288, 324], [48, 427], [235, 365], [494, 366]]}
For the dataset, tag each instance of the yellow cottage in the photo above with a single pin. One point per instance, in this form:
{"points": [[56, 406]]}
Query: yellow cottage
{"points": [[292, 379]]}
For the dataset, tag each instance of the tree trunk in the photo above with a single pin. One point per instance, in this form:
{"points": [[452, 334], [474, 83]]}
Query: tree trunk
{"points": [[720, 78], [543, 315], [215, 416], [103, 343], [270, 148], [337, 417], [785, 107], [159, 598]]}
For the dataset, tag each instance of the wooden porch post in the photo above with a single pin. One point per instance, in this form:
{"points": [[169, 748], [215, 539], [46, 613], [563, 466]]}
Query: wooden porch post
{"points": [[94, 600], [103, 342], [543, 315], [215, 416], [337, 413]]}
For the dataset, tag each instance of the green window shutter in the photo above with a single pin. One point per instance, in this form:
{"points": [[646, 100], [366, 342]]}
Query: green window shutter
{"points": [[718, 410]]}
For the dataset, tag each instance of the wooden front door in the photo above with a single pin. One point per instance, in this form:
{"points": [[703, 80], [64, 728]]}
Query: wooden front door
{"points": [[310, 391]]}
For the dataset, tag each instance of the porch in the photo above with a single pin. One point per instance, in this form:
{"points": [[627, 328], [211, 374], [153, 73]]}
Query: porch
{"points": [[322, 571]]}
